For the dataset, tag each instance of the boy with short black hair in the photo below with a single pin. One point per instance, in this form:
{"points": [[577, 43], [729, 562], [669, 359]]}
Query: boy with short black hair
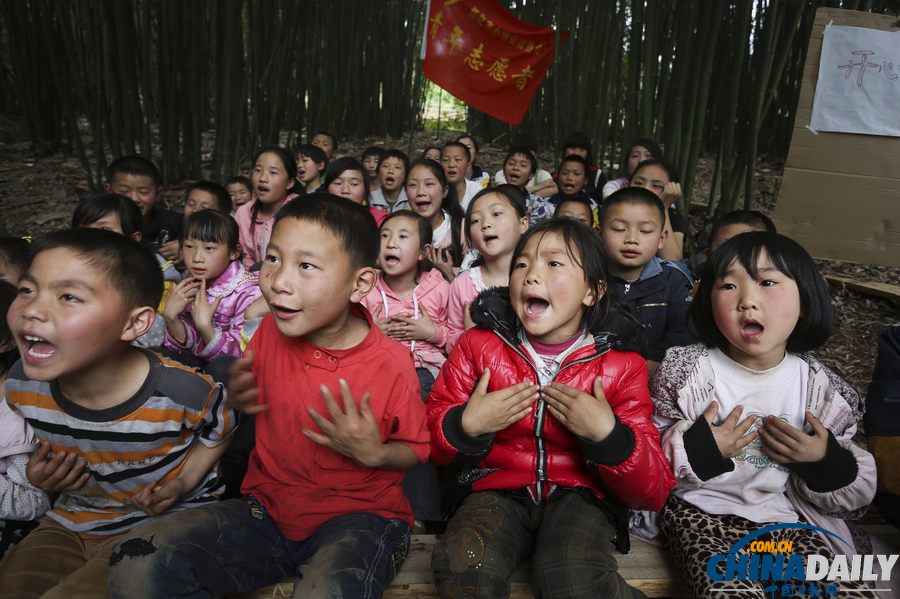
{"points": [[138, 178], [737, 222], [327, 141], [371, 158], [572, 180], [323, 492], [125, 434], [659, 294], [206, 195], [311, 164]]}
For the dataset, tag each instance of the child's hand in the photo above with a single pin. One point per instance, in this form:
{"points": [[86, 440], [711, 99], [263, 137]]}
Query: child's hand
{"points": [[182, 294], [381, 323], [154, 499], [731, 436], [468, 323], [588, 416], [671, 193], [404, 328], [202, 312], [242, 391], [442, 258], [352, 432], [491, 412], [62, 472], [169, 250], [785, 444]]}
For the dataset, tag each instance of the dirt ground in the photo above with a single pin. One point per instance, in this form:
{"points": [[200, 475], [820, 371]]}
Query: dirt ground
{"points": [[38, 193]]}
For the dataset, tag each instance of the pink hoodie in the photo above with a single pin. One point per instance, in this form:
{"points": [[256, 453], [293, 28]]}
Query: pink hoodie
{"points": [[253, 244], [431, 296], [463, 290]]}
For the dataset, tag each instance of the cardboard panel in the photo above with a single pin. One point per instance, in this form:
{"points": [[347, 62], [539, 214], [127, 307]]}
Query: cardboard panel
{"points": [[840, 196]]}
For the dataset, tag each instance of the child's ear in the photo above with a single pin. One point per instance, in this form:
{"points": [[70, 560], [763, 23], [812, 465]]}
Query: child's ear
{"points": [[424, 252], [235, 253], [592, 296], [138, 323], [363, 284], [107, 187], [137, 236], [446, 191], [664, 236], [523, 225]]}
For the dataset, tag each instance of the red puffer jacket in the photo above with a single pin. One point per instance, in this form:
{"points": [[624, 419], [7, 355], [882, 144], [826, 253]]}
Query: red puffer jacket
{"points": [[538, 451]]}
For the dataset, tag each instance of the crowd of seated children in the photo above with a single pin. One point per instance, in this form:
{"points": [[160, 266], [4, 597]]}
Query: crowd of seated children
{"points": [[390, 196], [21, 503], [13, 258], [274, 177], [204, 313], [370, 158], [658, 293], [138, 178], [124, 434], [240, 190], [338, 420], [456, 160], [409, 304], [433, 197], [206, 195], [311, 165]]}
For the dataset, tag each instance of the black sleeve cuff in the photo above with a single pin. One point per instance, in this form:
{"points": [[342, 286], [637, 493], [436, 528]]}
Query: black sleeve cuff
{"points": [[458, 438], [702, 452], [836, 470], [612, 450]]}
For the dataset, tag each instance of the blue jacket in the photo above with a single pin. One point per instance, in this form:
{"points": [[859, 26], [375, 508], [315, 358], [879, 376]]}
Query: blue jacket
{"points": [[659, 299]]}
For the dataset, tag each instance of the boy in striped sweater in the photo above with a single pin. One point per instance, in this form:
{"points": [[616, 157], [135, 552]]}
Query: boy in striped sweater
{"points": [[125, 434]]}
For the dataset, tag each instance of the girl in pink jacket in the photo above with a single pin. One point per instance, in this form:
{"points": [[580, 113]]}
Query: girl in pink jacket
{"points": [[409, 303], [205, 310]]}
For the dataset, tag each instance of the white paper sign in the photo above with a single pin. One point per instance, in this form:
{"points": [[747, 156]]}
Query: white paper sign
{"points": [[859, 82]]}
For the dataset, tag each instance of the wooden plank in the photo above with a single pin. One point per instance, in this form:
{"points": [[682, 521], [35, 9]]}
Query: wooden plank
{"points": [[885, 290]]}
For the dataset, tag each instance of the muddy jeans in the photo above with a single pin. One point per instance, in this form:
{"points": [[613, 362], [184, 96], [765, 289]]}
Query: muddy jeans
{"points": [[570, 540], [235, 546]]}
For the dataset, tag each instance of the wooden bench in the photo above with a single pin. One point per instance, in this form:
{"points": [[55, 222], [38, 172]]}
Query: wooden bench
{"points": [[646, 567]]}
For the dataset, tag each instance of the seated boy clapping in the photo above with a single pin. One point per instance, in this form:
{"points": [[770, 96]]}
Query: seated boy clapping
{"points": [[125, 435], [338, 420]]}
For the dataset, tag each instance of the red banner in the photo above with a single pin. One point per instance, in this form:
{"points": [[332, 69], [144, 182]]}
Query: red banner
{"points": [[482, 54]]}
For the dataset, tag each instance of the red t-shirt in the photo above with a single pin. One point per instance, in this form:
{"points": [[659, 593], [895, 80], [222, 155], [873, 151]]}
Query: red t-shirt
{"points": [[300, 483]]}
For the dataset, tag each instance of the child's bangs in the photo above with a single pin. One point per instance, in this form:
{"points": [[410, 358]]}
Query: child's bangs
{"points": [[207, 231]]}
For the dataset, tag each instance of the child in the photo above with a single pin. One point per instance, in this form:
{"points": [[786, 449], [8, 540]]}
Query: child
{"points": [[390, 196], [557, 424], [579, 144], [642, 149], [657, 176], [432, 196], [432, 153], [409, 304], [456, 159], [518, 168], [239, 190], [735, 223], [573, 182], [13, 258], [323, 496], [274, 177], [495, 221], [474, 172], [206, 195], [541, 182], [346, 178], [116, 213], [21, 504], [311, 164], [137, 178], [579, 209], [205, 311], [124, 435], [658, 293], [757, 431], [371, 157], [327, 142]]}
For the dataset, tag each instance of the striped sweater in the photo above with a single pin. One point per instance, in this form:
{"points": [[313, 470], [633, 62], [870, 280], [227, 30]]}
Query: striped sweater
{"points": [[145, 439]]}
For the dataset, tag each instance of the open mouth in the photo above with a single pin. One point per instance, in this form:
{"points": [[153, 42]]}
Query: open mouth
{"points": [[535, 306], [38, 348], [391, 261], [283, 312], [261, 189], [389, 181], [490, 238], [752, 329]]}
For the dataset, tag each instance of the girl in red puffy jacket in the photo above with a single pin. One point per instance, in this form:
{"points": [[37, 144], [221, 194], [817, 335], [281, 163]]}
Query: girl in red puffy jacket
{"points": [[552, 425]]}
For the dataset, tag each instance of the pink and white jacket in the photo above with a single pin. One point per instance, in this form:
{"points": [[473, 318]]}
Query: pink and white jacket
{"points": [[463, 290], [253, 243], [238, 288], [431, 295]]}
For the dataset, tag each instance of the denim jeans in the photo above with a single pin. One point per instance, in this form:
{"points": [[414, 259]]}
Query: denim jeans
{"points": [[235, 546]]}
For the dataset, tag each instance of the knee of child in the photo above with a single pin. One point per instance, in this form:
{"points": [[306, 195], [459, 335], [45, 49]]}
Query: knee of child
{"points": [[134, 565], [463, 563]]}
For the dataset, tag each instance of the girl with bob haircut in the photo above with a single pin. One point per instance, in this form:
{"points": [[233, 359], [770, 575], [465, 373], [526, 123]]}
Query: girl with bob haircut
{"points": [[205, 311], [551, 422], [759, 432]]}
